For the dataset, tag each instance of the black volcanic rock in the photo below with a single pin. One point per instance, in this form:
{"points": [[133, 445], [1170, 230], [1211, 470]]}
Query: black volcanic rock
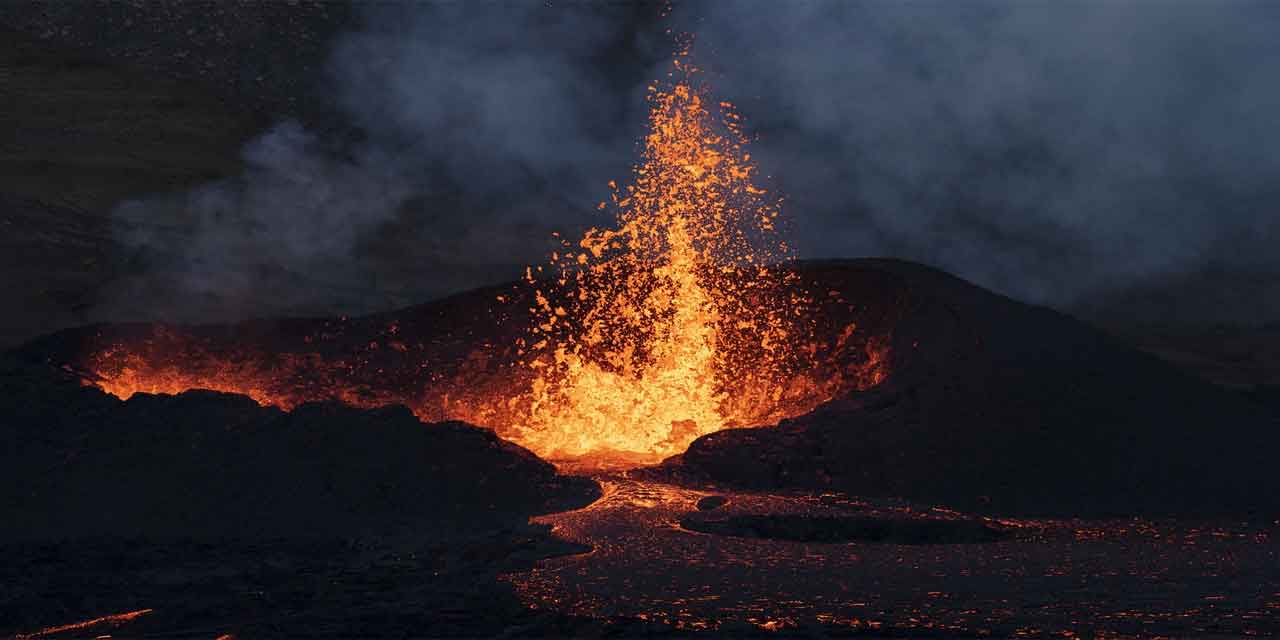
{"points": [[1267, 396], [803, 528], [711, 502], [77, 463], [997, 406]]}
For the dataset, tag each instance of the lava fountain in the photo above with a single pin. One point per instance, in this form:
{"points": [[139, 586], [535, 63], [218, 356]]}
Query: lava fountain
{"points": [[683, 318], [679, 327]]}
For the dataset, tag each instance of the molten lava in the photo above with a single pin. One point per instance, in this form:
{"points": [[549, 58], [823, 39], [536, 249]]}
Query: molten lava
{"points": [[684, 318], [678, 329]]}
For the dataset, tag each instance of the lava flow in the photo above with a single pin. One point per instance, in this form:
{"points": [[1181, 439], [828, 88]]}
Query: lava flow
{"points": [[683, 319], [115, 619]]}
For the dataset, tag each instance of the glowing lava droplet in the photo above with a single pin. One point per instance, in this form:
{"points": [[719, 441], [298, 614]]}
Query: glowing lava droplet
{"points": [[671, 325]]}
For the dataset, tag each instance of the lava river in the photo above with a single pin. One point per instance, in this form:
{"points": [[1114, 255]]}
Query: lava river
{"points": [[1065, 578]]}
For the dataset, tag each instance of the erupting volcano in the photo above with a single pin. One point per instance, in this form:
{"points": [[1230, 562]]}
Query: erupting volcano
{"points": [[680, 320], [676, 325]]}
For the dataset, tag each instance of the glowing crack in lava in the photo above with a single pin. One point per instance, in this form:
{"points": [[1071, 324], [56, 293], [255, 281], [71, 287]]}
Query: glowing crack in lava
{"points": [[678, 328], [684, 318], [115, 619]]}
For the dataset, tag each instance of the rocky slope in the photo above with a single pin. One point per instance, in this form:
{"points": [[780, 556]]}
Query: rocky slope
{"points": [[997, 406]]}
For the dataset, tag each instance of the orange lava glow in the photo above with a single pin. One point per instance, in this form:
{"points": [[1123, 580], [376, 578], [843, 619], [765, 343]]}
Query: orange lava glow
{"points": [[679, 320], [678, 329], [113, 620]]}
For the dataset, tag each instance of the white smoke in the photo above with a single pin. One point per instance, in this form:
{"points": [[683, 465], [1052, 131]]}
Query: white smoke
{"points": [[1055, 152]]}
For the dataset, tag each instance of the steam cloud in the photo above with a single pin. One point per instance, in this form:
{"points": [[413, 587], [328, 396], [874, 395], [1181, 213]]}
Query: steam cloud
{"points": [[478, 130], [1050, 150], [1057, 153]]}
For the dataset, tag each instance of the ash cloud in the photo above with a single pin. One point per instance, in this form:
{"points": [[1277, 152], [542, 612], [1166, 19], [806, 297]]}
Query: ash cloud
{"points": [[472, 131], [273, 238], [1059, 153]]}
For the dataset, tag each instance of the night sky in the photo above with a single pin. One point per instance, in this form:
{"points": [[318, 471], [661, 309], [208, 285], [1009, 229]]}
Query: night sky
{"points": [[1108, 159]]}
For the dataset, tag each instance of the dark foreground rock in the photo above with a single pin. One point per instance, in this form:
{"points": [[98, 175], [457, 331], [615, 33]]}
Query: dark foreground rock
{"points": [[287, 588], [77, 463], [215, 516], [1001, 407]]}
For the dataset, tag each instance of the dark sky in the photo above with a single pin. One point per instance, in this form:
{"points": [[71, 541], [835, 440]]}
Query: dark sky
{"points": [[1061, 153]]}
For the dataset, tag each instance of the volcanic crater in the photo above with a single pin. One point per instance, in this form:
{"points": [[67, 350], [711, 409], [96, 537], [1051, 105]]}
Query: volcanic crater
{"points": [[978, 401]]}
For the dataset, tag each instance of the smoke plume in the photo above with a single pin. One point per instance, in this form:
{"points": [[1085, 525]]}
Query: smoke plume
{"points": [[1059, 153]]}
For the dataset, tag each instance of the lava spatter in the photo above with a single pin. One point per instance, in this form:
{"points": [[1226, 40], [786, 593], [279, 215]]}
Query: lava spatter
{"points": [[675, 323]]}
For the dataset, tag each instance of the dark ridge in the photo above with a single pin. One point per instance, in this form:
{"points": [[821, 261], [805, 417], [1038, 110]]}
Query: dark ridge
{"points": [[77, 463], [1001, 407]]}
